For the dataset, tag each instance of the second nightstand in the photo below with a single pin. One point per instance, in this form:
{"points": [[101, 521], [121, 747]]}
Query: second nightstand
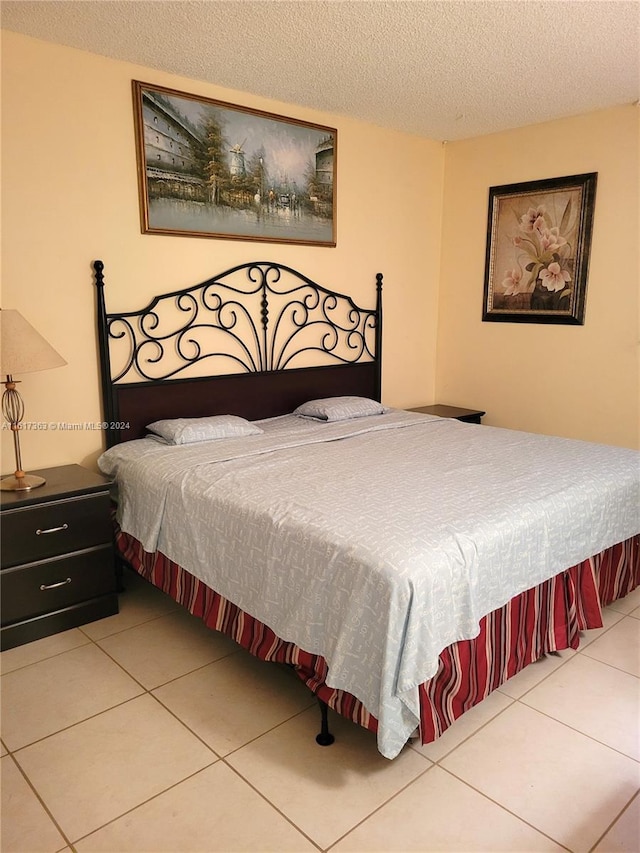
{"points": [[58, 568], [470, 416]]}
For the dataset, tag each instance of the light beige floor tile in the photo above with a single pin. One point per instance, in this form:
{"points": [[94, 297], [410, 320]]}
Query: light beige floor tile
{"points": [[464, 726], [594, 698], [26, 827], [325, 791], [628, 603], [624, 835], [38, 650], [437, 812], [213, 811], [533, 674], [619, 646], [48, 696], [609, 619], [635, 613], [3, 749], [166, 648], [219, 702], [139, 603], [98, 769], [566, 785]]}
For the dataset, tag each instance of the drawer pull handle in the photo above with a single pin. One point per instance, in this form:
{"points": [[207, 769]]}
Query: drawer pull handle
{"points": [[44, 586], [52, 530]]}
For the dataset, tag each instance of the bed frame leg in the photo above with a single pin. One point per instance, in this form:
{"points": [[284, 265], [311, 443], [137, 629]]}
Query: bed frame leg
{"points": [[325, 738]]}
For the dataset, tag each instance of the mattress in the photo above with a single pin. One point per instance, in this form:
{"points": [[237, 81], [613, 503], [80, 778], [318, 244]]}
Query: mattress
{"points": [[376, 543]]}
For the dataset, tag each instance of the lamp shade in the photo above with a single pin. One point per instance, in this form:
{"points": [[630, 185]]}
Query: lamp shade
{"points": [[22, 348]]}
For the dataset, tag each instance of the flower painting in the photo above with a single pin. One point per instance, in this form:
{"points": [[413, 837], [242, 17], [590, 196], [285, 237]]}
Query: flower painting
{"points": [[538, 242]]}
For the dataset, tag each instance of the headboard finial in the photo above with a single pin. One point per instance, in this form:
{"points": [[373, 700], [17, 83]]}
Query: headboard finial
{"points": [[98, 266]]}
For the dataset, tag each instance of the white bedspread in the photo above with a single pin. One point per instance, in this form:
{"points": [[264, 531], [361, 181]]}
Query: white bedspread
{"points": [[376, 542]]}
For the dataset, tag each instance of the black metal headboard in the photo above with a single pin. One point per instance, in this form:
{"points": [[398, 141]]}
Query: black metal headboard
{"points": [[259, 324]]}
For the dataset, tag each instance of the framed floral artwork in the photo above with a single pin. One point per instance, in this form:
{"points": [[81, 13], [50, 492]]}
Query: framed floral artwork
{"points": [[538, 245]]}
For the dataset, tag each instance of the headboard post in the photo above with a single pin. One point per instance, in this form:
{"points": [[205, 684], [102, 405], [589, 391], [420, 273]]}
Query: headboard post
{"points": [[379, 334], [109, 412]]}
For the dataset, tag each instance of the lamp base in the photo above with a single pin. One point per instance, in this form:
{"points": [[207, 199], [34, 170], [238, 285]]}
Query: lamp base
{"points": [[21, 484]]}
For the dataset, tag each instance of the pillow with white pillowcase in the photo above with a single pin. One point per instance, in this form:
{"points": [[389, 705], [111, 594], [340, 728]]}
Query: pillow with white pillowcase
{"points": [[339, 408], [191, 430]]}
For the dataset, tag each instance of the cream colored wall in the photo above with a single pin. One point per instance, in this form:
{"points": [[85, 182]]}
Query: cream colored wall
{"points": [[69, 195], [577, 381]]}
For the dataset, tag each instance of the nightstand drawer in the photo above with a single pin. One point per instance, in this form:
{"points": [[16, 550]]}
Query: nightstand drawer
{"points": [[46, 530], [31, 590]]}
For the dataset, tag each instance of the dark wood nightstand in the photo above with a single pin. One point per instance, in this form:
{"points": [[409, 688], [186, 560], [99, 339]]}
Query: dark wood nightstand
{"points": [[470, 416], [57, 566]]}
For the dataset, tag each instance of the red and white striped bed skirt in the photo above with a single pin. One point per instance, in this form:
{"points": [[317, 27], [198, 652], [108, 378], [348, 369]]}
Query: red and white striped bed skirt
{"points": [[547, 618]]}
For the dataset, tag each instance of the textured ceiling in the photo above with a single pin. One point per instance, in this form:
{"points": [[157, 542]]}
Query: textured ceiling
{"points": [[438, 68]]}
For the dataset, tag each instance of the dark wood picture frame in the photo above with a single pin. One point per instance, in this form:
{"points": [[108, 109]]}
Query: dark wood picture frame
{"points": [[538, 246], [208, 168]]}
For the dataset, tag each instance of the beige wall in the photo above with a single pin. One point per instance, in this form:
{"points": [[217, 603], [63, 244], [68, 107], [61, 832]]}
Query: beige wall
{"points": [[576, 381], [69, 195]]}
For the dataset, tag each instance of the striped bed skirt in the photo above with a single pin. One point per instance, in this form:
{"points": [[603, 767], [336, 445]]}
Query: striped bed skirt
{"points": [[546, 618]]}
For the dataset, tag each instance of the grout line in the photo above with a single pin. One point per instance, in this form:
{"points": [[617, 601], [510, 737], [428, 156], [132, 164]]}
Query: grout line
{"points": [[123, 630], [148, 800], [606, 663], [520, 700], [614, 821], [87, 639], [170, 680], [47, 657], [41, 801], [73, 725], [565, 661], [268, 731], [504, 808], [272, 805], [383, 805], [217, 760], [579, 732], [472, 734]]}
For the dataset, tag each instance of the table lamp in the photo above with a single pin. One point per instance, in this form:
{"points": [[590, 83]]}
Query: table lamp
{"points": [[22, 350]]}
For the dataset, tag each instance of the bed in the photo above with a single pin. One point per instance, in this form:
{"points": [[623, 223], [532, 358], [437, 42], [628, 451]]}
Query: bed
{"points": [[404, 565]]}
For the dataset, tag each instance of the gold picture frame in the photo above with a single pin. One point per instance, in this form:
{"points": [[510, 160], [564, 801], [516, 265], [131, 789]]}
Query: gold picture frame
{"points": [[208, 168]]}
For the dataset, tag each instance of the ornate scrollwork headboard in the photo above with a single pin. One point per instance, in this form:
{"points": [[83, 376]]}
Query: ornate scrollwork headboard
{"points": [[261, 319]]}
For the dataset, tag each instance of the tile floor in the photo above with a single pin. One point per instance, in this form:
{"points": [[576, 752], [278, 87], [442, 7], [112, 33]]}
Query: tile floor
{"points": [[147, 732]]}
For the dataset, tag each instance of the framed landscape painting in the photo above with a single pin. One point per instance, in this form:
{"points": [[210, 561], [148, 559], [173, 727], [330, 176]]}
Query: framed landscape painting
{"points": [[538, 244], [207, 168]]}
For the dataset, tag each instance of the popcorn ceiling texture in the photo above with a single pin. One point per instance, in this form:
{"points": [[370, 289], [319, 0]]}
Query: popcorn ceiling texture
{"points": [[445, 70]]}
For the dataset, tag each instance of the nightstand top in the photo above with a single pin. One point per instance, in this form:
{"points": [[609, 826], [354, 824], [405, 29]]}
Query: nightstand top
{"points": [[448, 411], [63, 481]]}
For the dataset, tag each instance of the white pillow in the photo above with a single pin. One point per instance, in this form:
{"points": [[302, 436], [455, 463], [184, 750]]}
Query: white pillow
{"points": [[339, 408], [190, 430]]}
